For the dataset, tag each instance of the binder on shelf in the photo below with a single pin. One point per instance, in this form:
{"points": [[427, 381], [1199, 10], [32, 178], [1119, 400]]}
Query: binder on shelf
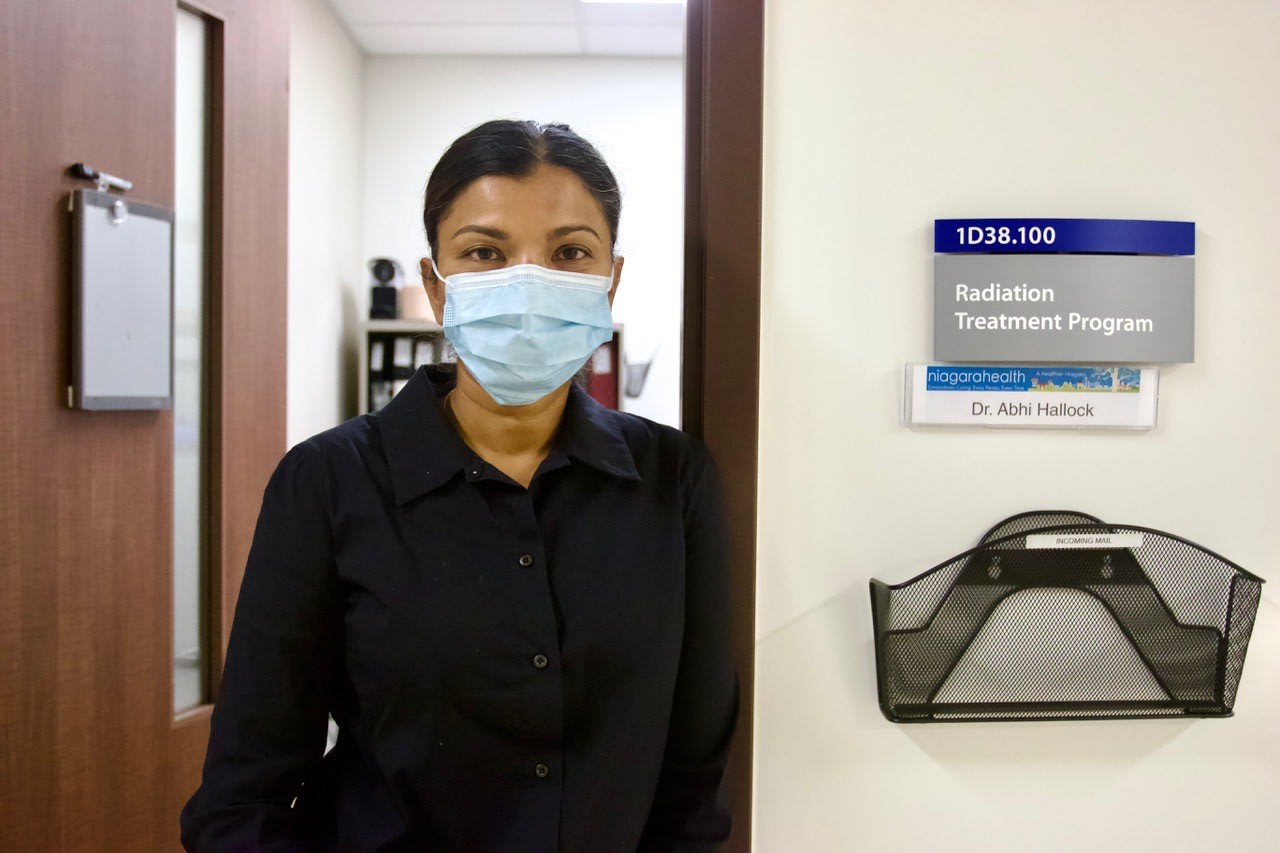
{"points": [[604, 374], [402, 354], [1058, 615], [424, 352], [380, 393]]}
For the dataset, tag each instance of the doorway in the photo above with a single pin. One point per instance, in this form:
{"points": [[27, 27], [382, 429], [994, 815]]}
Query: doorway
{"points": [[93, 755]]}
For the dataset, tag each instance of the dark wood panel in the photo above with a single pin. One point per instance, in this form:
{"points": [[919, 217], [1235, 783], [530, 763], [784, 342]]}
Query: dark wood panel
{"points": [[90, 756], [86, 503], [721, 369]]}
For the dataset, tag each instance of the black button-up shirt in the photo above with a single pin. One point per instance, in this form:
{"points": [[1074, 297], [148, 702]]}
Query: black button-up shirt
{"points": [[528, 670]]}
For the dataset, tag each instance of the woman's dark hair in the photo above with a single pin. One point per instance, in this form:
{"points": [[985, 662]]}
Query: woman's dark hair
{"points": [[515, 148]]}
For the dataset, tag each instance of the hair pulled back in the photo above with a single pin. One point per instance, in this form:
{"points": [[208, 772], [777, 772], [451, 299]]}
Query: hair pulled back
{"points": [[515, 149]]}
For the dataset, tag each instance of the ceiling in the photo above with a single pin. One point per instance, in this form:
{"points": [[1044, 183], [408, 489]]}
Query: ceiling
{"points": [[514, 27]]}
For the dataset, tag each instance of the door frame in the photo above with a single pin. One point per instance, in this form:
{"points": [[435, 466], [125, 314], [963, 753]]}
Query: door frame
{"points": [[720, 390], [245, 322]]}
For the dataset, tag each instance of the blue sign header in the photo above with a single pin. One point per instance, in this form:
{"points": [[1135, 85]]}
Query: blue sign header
{"points": [[975, 377], [1072, 236]]}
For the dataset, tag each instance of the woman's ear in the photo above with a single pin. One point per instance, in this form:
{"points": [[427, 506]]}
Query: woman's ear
{"points": [[617, 277], [434, 287]]}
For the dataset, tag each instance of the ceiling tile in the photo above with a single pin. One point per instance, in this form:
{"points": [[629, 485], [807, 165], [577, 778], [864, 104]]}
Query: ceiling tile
{"points": [[635, 41], [622, 14], [513, 27], [455, 12], [470, 40]]}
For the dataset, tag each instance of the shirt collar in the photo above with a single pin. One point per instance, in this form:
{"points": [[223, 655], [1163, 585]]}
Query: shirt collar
{"points": [[592, 434], [424, 452]]}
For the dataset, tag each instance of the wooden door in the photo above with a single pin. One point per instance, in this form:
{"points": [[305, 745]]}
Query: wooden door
{"points": [[724, 73], [92, 756]]}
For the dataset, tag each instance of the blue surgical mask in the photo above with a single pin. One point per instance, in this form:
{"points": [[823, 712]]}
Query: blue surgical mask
{"points": [[524, 331]]}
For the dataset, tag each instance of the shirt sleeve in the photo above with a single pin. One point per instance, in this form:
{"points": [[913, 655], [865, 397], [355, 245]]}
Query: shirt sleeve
{"points": [[268, 727], [690, 810]]}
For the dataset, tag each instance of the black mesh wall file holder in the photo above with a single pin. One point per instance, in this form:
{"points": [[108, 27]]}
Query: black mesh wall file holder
{"points": [[1152, 626]]}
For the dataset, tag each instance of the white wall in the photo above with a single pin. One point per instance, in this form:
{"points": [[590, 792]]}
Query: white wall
{"points": [[880, 117], [325, 195], [631, 109]]}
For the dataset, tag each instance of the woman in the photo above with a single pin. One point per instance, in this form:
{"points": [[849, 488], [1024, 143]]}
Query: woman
{"points": [[512, 600]]}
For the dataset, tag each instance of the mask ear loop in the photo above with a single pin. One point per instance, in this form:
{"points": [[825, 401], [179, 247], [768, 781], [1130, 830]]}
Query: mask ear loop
{"points": [[435, 269]]}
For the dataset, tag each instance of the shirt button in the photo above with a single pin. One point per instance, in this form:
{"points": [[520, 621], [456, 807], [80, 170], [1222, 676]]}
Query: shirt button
{"points": [[526, 560], [540, 661], [542, 771]]}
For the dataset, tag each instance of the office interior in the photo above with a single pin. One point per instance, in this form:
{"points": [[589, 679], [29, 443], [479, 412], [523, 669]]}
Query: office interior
{"points": [[876, 118]]}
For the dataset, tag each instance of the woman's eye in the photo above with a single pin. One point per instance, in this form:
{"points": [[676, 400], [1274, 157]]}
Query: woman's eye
{"points": [[574, 253], [483, 253]]}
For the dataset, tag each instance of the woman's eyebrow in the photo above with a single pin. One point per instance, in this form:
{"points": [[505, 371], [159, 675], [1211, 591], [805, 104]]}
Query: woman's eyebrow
{"points": [[565, 230], [495, 233]]}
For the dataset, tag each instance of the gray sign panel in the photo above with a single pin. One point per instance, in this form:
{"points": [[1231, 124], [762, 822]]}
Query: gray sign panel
{"points": [[1102, 308]]}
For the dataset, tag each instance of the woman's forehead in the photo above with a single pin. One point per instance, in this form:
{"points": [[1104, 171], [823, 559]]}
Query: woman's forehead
{"points": [[549, 196]]}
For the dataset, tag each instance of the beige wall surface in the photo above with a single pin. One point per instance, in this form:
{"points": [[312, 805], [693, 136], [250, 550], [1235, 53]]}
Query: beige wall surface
{"points": [[326, 272], [880, 117]]}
